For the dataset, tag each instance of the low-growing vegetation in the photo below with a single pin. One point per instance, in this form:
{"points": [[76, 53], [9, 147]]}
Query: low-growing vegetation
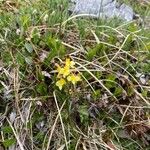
{"points": [[73, 83]]}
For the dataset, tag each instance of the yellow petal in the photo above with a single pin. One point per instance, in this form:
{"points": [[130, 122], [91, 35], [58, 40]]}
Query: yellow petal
{"points": [[69, 78], [74, 78], [69, 63], [60, 70], [60, 83], [78, 78], [66, 72], [72, 64]]}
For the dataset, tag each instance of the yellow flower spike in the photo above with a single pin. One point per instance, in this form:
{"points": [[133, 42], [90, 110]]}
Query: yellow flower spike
{"points": [[74, 78], [60, 83], [69, 63]]}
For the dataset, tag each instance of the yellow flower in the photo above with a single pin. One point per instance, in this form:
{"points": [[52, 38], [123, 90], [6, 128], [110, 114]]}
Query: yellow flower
{"points": [[69, 63], [74, 78], [66, 71], [60, 83], [63, 71], [60, 70]]}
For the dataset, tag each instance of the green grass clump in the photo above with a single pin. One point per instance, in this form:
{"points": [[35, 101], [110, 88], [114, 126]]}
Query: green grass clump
{"points": [[103, 101]]}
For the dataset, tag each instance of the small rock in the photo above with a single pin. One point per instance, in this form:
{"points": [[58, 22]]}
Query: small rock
{"points": [[12, 116]]}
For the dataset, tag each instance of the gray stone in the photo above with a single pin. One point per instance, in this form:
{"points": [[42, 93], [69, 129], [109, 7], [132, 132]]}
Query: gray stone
{"points": [[126, 12], [102, 8]]}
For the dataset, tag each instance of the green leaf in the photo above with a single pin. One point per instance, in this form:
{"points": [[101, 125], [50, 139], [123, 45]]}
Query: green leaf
{"points": [[130, 91], [146, 67], [39, 137], [133, 27], [118, 91], [111, 77], [7, 129], [56, 49], [28, 60], [96, 51], [110, 83], [20, 59], [91, 54], [28, 47], [6, 57], [41, 88], [9, 142], [144, 93], [83, 111], [96, 94]]}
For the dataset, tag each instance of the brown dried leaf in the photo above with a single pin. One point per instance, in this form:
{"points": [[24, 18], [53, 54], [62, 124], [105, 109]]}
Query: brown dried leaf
{"points": [[111, 145]]}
